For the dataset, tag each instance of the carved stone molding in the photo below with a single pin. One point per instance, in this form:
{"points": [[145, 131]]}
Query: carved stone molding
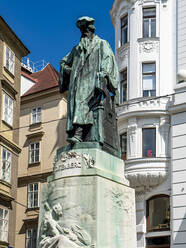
{"points": [[141, 2], [146, 173], [148, 45], [70, 160], [144, 182], [140, 196], [123, 52]]}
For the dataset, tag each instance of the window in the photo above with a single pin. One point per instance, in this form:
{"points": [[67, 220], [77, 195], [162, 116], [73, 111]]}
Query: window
{"points": [[124, 30], [123, 145], [158, 213], [34, 150], [149, 22], [9, 59], [158, 242], [31, 238], [3, 225], [36, 115], [5, 165], [149, 79], [33, 194], [123, 86], [7, 109], [149, 142]]}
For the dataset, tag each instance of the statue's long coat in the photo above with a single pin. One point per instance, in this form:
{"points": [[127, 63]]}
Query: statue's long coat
{"points": [[84, 78]]}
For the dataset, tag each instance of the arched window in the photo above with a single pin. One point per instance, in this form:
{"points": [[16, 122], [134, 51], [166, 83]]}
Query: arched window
{"points": [[158, 213], [158, 219]]}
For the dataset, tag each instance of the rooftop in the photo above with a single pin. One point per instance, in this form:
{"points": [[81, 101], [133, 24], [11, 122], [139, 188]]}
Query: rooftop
{"points": [[45, 79]]}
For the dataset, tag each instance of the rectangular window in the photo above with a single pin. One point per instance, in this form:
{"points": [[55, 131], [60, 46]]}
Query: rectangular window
{"points": [[149, 79], [31, 238], [123, 145], [123, 86], [3, 225], [7, 109], [36, 115], [149, 22], [149, 142], [34, 151], [124, 30], [9, 59], [33, 193], [5, 165]]}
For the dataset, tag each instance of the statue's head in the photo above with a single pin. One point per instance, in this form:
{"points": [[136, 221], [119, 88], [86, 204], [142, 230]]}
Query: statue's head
{"points": [[86, 25]]}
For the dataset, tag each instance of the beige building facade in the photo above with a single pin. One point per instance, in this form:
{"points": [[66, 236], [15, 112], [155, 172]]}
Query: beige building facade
{"points": [[11, 52], [43, 124]]}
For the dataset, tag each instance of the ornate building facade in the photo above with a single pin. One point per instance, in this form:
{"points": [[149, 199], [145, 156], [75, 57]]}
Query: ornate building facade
{"points": [[11, 52], [43, 124], [150, 51]]}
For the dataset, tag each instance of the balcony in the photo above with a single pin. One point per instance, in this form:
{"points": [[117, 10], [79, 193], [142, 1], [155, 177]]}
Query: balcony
{"points": [[143, 107], [146, 173]]}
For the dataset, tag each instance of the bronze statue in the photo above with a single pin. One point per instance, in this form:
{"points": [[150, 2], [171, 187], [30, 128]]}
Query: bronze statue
{"points": [[90, 75]]}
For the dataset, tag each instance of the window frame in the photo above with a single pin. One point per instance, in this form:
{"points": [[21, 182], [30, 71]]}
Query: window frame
{"points": [[149, 18], [30, 203], [123, 27], [6, 161], [150, 92], [147, 213], [31, 238], [144, 128], [5, 226], [8, 52], [8, 111], [123, 81], [123, 154], [35, 149], [38, 115]]}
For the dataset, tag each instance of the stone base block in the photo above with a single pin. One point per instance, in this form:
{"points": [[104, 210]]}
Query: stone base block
{"points": [[87, 203]]}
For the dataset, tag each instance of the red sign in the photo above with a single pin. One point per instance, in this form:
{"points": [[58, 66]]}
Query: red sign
{"points": [[149, 153]]}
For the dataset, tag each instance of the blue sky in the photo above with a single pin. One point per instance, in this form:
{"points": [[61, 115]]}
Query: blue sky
{"points": [[48, 28]]}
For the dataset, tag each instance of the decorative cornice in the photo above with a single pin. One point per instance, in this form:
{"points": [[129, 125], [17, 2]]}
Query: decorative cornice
{"points": [[35, 135], [116, 7], [15, 148], [7, 85]]}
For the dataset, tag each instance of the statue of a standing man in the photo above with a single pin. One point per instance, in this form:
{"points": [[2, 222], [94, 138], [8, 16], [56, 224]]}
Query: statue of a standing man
{"points": [[90, 74]]}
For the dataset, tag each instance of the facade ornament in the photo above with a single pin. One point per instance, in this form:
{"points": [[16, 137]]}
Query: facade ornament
{"points": [[141, 2], [148, 46], [123, 52], [131, 131], [145, 181], [70, 160], [140, 196], [164, 131]]}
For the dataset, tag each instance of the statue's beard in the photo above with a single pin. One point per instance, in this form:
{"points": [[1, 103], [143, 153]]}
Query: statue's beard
{"points": [[85, 43]]}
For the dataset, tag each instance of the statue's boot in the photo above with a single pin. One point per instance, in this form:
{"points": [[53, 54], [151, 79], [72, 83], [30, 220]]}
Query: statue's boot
{"points": [[77, 136]]}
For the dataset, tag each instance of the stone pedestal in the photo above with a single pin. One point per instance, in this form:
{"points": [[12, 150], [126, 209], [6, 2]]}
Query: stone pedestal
{"points": [[87, 203]]}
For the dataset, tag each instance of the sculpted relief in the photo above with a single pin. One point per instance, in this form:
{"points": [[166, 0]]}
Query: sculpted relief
{"points": [[56, 232]]}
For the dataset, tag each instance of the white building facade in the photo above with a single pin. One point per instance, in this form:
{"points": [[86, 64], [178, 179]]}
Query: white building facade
{"points": [[150, 48]]}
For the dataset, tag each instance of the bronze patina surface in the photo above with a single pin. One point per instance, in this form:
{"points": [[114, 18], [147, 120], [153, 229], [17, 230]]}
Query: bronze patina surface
{"points": [[89, 73]]}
